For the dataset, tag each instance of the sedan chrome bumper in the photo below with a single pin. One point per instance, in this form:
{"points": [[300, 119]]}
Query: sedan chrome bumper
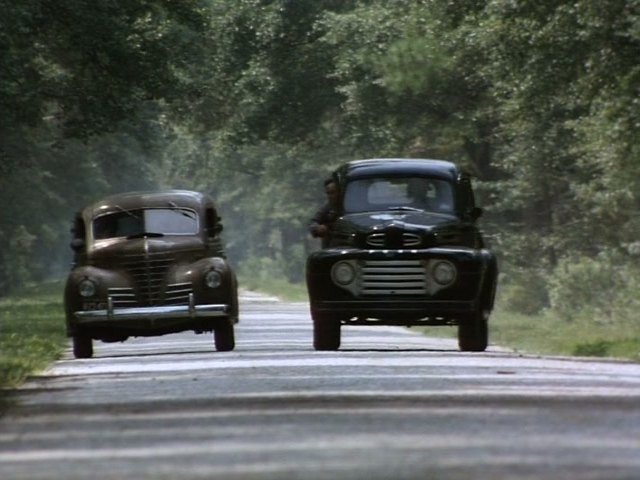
{"points": [[153, 313]]}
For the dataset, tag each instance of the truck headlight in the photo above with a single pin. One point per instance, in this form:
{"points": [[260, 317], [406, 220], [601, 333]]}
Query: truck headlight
{"points": [[444, 273], [87, 288], [343, 273]]}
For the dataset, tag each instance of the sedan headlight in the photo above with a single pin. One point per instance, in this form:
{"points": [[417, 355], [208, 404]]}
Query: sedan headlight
{"points": [[87, 288], [213, 279], [343, 273], [444, 273]]}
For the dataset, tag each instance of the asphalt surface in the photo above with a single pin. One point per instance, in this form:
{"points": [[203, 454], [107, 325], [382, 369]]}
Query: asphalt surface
{"points": [[391, 404]]}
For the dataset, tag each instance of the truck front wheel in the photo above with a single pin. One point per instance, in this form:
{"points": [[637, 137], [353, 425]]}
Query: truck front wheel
{"points": [[473, 332], [326, 331]]}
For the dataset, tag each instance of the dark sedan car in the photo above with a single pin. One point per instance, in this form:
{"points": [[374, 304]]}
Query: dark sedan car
{"points": [[405, 250], [146, 264]]}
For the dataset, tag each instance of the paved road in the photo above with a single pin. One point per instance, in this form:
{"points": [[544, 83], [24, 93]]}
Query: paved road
{"points": [[390, 405]]}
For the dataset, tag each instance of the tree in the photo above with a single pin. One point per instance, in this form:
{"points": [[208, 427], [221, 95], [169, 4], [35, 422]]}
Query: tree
{"points": [[70, 73]]}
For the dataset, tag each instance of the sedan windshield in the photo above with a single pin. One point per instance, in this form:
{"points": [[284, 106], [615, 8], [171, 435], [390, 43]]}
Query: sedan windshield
{"points": [[141, 222], [399, 193]]}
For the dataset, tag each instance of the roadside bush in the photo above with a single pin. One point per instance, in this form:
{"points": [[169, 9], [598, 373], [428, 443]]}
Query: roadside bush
{"points": [[604, 288], [267, 275], [15, 268], [32, 332], [260, 268], [293, 263], [598, 348], [524, 291]]}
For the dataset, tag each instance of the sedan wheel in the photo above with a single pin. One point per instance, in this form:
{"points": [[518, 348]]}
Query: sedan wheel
{"points": [[82, 346], [224, 337]]}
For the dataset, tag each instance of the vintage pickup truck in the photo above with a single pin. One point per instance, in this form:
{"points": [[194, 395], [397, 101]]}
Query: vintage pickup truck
{"points": [[404, 250]]}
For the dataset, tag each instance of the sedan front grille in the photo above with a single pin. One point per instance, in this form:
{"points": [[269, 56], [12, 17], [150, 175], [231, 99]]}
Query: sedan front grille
{"points": [[178, 294], [175, 294], [123, 297], [393, 277], [148, 273]]}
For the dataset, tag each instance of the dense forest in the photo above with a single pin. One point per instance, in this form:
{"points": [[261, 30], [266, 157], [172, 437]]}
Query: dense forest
{"points": [[255, 101]]}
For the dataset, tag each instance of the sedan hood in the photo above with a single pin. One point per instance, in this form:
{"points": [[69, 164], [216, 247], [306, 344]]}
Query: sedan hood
{"points": [[122, 248]]}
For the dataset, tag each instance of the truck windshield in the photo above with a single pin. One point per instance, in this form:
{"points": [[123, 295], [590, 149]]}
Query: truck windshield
{"points": [[152, 221], [399, 193]]}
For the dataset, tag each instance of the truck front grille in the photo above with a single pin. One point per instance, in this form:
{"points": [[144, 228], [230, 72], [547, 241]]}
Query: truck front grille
{"points": [[393, 277]]}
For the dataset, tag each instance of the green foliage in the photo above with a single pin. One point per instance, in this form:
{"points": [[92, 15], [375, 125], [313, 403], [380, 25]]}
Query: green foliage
{"points": [[550, 333], [31, 332], [599, 348], [262, 269], [17, 267], [545, 62], [276, 286], [602, 288], [71, 74], [525, 292], [256, 101], [268, 276]]}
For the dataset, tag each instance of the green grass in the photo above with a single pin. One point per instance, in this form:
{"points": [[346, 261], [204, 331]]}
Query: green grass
{"points": [[32, 327], [544, 334], [32, 332], [547, 334]]}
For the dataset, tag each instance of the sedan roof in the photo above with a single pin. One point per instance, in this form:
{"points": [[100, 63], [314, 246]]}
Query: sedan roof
{"points": [[143, 199]]}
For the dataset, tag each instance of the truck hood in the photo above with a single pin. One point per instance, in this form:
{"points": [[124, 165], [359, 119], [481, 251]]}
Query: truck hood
{"points": [[400, 229], [406, 220]]}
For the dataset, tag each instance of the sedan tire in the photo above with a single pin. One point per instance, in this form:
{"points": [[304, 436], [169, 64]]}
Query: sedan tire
{"points": [[224, 336], [82, 346]]}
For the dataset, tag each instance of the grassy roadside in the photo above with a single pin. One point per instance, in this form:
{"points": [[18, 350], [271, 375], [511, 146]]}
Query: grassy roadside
{"points": [[547, 334], [32, 332], [533, 334]]}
